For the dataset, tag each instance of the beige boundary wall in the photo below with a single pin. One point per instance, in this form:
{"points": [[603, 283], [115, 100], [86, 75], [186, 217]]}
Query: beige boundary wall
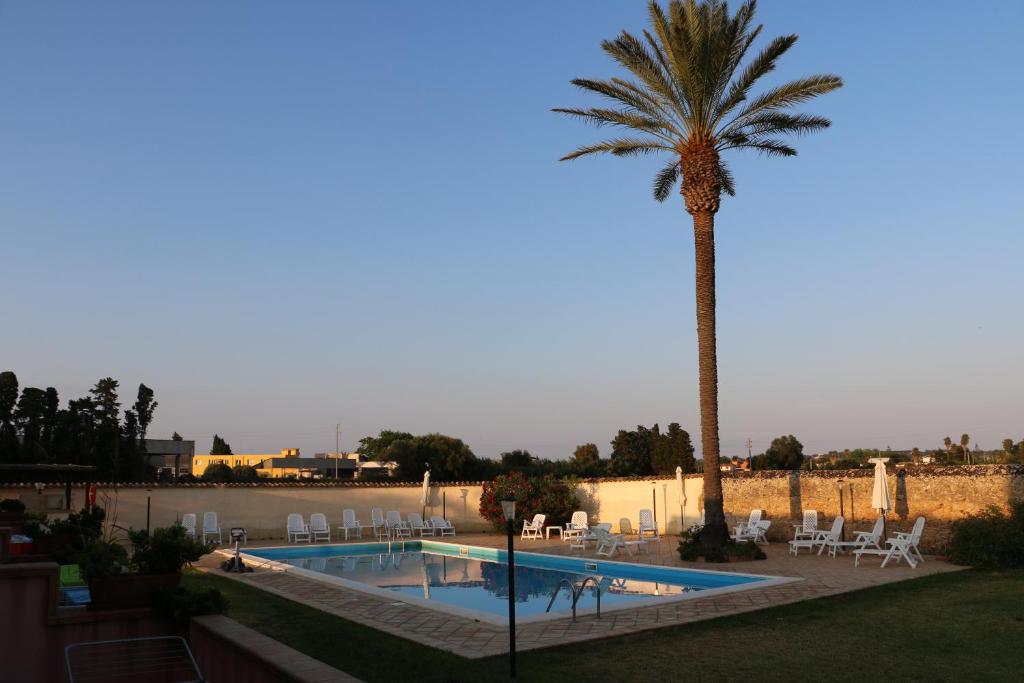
{"points": [[941, 494]]}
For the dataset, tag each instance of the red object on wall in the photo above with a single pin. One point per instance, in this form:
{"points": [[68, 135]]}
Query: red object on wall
{"points": [[90, 496]]}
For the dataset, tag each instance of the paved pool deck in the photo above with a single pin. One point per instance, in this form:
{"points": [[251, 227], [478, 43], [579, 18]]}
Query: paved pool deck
{"points": [[819, 576]]}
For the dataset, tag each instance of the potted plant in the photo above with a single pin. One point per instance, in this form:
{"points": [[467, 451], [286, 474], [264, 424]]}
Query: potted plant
{"points": [[12, 512], [155, 566]]}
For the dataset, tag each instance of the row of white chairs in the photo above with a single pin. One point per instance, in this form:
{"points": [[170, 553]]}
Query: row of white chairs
{"points": [[902, 546], [211, 526], [384, 526], [579, 531]]}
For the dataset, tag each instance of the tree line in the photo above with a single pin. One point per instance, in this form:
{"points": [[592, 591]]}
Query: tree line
{"points": [[643, 451], [90, 430]]}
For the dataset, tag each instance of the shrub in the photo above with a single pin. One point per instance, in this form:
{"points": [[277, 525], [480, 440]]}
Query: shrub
{"points": [[556, 498], [166, 551], [102, 558], [692, 548], [76, 533], [11, 505], [219, 473], [244, 473], [990, 539]]}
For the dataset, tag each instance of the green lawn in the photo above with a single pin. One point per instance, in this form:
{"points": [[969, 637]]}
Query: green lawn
{"points": [[961, 626]]}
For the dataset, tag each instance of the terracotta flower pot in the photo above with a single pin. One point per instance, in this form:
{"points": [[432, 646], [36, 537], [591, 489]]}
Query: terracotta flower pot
{"points": [[128, 591]]}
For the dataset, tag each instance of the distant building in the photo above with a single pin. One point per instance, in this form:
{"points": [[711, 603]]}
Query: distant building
{"points": [[202, 461], [363, 464], [170, 457], [307, 468]]}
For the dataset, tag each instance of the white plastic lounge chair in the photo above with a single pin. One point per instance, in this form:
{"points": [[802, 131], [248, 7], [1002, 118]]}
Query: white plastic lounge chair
{"points": [[188, 520], [380, 527], [397, 527], [861, 539], [648, 529], [742, 531], [608, 543], [296, 529], [808, 527], [319, 528], [211, 527], [576, 527], [350, 523], [443, 525], [416, 524], [758, 533], [591, 534], [820, 538], [626, 529], [902, 546], [535, 527]]}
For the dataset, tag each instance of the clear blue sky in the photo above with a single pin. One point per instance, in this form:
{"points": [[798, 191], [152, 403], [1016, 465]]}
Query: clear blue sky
{"points": [[285, 215]]}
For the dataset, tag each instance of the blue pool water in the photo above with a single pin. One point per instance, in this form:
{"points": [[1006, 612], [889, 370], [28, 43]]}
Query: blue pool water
{"points": [[473, 578]]}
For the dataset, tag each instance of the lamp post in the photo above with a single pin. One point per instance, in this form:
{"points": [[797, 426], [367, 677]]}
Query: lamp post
{"points": [[508, 507]]}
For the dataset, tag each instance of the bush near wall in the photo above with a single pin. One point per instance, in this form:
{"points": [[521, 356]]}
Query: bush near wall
{"points": [[993, 538], [553, 497]]}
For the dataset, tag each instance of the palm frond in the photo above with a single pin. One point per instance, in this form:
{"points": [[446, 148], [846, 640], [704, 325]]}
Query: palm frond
{"points": [[617, 117], [666, 180], [763, 64], [725, 178], [620, 147], [779, 123], [794, 92], [768, 146]]}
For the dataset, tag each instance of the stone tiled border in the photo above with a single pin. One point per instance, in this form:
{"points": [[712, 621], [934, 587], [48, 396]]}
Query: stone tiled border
{"points": [[470, 638]]}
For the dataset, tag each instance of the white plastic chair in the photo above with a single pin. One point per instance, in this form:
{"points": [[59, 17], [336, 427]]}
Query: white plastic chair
{"points": [[742, 531], [534, 528], [319, 528], [296, 529], [647, 526], [416, 524], [902, 546], [397, 527], [188, 520], [380, 528], [443, 525], [591, 534], [576, 527], [822, 538], [808, 527], [757, 532], [211, 527], [861, 540], [350, 523]]}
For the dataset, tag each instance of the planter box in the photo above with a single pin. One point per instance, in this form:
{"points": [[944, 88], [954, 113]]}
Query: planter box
{"points": [[129, 591]]}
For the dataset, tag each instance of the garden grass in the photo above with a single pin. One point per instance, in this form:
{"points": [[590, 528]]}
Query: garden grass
{"points": [[958, 626]]}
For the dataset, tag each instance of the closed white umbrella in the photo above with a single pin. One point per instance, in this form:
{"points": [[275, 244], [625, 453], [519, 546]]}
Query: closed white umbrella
{"points": [[682, 498], [426, 489], [880, 488]]}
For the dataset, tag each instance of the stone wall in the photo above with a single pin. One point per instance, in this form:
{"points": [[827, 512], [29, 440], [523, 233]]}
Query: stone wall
{"points": [[941, 494]]}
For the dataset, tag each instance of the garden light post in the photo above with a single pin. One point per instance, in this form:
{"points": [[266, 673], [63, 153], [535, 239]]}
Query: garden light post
{"points": [[508, 507]]}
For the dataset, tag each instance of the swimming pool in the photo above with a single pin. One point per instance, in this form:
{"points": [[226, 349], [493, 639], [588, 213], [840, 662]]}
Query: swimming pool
{"points": [[472, 581]]}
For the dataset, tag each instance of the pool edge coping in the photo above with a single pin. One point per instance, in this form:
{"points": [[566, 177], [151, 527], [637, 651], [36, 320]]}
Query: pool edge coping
{"points": [[763, 581]]}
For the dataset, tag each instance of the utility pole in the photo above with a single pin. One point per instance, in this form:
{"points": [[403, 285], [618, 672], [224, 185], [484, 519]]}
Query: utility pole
{"points": [[337, 448], [750, 446]]}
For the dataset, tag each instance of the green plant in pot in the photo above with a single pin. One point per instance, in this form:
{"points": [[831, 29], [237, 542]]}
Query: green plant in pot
{"points": [[12, 512], [155, 566]]}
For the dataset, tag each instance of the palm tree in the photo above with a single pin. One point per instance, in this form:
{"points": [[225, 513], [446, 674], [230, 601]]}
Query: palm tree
{"points": [[691, 99], [965, 440]]}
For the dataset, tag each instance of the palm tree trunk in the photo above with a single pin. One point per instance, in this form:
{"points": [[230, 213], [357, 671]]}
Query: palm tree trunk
{"points": [[715, 531]]}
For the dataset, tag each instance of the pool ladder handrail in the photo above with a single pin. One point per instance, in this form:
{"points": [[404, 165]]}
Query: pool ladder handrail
{"points": [[577, 590]]}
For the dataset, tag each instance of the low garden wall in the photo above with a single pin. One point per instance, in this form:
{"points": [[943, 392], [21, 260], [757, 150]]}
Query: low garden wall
{"points": [[941, 494]]}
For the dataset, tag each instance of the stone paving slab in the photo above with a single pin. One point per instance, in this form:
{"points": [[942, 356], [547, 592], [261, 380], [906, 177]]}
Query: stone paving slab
{"points": [[467, 637]]}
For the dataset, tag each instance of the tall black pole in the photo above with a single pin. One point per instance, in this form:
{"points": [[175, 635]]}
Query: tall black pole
{"points": [[842, 512], [147, 513], [511, 602]]}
